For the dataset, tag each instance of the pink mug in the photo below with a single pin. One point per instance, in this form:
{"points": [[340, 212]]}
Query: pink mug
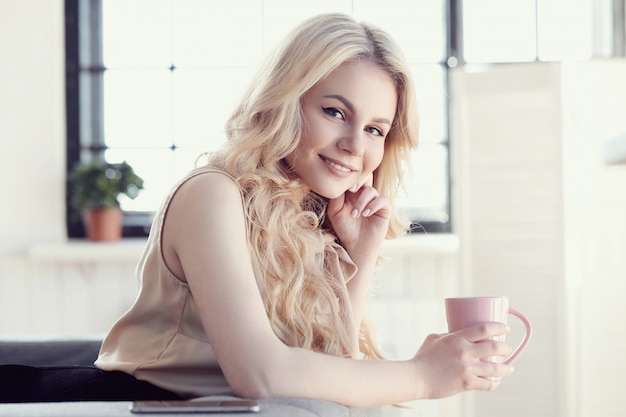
{"points": [[464, 312]]}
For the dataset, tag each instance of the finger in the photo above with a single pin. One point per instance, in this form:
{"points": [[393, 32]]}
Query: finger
{"points": [[494, 371], [367, 181], [376, 206], [487, 383], [488, 348], [367, 201], [484, 331], [481, 383]]}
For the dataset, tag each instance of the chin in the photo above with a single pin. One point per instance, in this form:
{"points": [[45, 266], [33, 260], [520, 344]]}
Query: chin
{"points": [[330, 194]]}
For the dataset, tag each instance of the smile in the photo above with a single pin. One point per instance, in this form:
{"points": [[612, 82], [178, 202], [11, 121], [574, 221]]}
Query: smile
{"points": [[337, 166]]}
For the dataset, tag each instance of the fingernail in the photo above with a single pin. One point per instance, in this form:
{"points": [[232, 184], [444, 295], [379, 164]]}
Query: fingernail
{"points": [[354, 214], [366, 212], [354, 188]]}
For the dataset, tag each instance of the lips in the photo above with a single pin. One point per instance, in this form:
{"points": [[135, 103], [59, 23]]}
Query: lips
{"points": [[338, 166]]}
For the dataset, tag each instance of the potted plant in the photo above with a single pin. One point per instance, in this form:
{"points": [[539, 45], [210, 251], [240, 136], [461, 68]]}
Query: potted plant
{"points": [[95, 188]]}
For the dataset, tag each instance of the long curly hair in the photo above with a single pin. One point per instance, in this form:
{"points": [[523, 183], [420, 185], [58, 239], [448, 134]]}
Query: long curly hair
{"points": [[307, 306]]}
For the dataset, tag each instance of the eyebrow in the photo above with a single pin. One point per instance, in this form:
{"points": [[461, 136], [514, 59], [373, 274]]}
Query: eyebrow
{"points": [[350, 107]]}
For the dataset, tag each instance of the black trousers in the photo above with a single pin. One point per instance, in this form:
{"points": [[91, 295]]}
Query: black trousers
{"points": [[19, 383]]}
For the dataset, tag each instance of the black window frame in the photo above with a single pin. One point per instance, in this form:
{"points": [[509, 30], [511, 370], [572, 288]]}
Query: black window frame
{"points": [[83, 43]]}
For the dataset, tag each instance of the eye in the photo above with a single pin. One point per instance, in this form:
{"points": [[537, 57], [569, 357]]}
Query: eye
{"points": [[334, 112], [375, 131]]}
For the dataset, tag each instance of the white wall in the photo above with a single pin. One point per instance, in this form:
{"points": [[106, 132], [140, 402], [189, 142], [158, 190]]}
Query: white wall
{"points": [[543, 220], [32, 125]]}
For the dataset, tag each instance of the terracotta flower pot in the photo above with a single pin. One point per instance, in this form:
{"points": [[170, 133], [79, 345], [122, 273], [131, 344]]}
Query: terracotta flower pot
{"points": [[103, 225]]}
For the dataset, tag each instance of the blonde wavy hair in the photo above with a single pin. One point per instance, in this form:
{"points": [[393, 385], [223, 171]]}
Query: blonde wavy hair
{"points": [[307, 306]]}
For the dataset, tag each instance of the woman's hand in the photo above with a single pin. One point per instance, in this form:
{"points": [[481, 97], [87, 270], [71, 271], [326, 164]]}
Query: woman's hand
{"points": [[360, 218], [457, 361]]}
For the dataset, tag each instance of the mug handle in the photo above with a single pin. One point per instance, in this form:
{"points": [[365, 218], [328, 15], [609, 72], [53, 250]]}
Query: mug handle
{"points": [[524, 342]]}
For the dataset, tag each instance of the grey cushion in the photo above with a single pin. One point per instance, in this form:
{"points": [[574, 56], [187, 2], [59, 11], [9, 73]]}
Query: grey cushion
{"points": [[45, 352]]}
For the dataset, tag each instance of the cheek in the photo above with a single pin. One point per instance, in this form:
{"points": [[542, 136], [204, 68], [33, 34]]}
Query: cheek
{"points": [[307, 139], [375, 157], [310, 127]]}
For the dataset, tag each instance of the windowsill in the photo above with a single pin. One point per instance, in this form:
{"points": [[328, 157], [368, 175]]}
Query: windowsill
{"points": [[82, 250], [130, 249], [422, 244]]}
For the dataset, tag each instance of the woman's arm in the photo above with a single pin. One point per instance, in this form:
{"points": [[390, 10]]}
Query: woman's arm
{"points": [[205, 239], [360, 218]]}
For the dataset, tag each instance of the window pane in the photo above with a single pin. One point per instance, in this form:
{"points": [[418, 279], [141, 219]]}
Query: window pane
{"points": [[426, 195], [155, 166], [203, 100], [185, 160], [136, 33], [499, 31], [565, 29], [280, 16], [430, 86], [216, 32], [418, 26], [138, 108]]}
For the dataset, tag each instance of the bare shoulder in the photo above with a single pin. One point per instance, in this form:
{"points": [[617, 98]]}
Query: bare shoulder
{"points": [[206, 209], [209, 185], [204, 199]]}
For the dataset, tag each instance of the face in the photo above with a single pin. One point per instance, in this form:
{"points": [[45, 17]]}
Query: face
{"points": [[346, 119]]}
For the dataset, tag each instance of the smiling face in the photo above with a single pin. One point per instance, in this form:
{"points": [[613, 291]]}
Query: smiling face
{"points": [[346, 119]]}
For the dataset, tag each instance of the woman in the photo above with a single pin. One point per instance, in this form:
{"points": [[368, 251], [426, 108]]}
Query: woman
{"points": [[255, 276]]}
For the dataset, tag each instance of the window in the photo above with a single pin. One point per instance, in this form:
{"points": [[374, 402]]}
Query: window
{"points": [[527, 30], [152, 82]]}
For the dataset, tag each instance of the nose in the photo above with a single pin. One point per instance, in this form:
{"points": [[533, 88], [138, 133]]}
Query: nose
{"points": [[353, 143]]}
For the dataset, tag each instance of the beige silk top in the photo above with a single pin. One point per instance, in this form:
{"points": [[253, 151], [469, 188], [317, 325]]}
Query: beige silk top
{"points": [[160, 339]]}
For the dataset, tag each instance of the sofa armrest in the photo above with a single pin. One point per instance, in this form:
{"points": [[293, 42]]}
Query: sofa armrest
{"points": [[54, 352]]}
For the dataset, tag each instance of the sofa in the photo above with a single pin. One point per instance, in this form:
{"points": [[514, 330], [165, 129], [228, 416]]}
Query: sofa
{"points": [[54, 351], [61, 352]]}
